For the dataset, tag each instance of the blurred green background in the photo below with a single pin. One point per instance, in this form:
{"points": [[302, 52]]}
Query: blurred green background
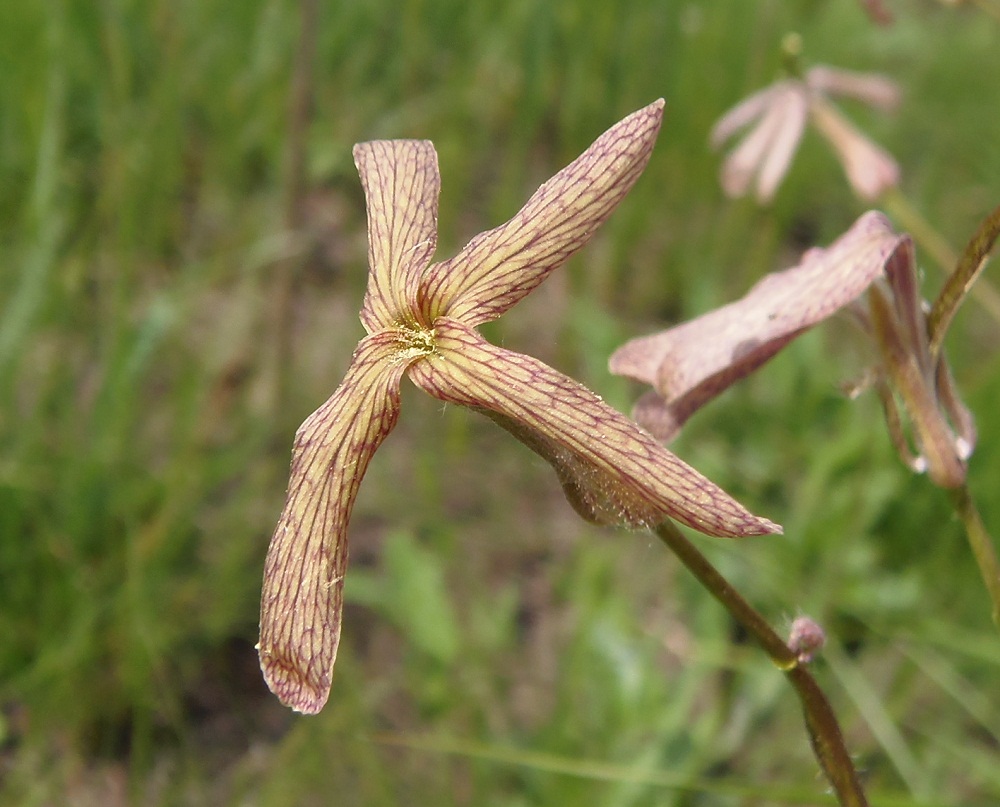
{"points": [[182, 258]]}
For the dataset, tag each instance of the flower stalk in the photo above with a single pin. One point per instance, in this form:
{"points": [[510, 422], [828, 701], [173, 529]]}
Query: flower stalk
{"points": [[825, 735]]}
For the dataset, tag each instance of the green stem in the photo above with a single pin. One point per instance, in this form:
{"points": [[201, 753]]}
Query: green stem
{"points": [[824, 730], [981, 543], [935, 245]]}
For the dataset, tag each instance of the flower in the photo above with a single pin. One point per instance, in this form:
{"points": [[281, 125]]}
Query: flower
{"points": [[692, 363], [781, 112], [421, 321]]}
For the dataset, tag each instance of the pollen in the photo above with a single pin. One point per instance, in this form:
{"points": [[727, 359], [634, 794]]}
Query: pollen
{"points": [[414, 342]]}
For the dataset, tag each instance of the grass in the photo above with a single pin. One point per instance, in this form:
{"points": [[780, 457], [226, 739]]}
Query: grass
{"points": [[496, 651]]}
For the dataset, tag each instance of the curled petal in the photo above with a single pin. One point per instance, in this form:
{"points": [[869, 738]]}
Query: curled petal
{"points": [[301, 599], [691, 363], [942, 455], [870, 169], [612, 471], [499, 267], [402, 185]]}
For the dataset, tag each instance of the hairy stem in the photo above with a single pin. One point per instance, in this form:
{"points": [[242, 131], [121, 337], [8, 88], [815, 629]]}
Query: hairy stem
{"points": [[824, 731], [981, 543]]}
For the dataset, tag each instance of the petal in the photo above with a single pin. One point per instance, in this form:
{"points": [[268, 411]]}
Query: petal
{"points": [[870, 169], [402, 185], [499, 267], [692, 363], [304, 574], [658, 417], [767, 150], [612, 471], [794, 112], [873, 89], [743, 114], [901, 274]]}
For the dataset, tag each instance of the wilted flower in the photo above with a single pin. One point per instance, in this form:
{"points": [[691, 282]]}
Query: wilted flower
{"points": [[421, 320], [692, 363], [781, 111]]}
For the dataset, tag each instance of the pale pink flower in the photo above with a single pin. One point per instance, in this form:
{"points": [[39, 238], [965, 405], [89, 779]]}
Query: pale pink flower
{"points": [[779, 114]]}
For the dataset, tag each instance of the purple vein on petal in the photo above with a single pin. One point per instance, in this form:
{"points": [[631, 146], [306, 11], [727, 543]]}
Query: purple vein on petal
{"points": [[612, 470], [693, 362], [301, 599], [402, 185], [499, 267]]}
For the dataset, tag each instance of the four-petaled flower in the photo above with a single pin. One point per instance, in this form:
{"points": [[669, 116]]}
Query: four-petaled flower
{"points": [[690, 364], [781, 112], [421, 320]]}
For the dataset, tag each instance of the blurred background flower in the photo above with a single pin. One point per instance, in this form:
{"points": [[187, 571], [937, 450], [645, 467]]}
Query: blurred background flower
{"points": [[777, 117]]}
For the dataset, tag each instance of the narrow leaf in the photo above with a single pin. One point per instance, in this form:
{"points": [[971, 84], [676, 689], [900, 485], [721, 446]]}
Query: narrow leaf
{"points": [[302, 594]]}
